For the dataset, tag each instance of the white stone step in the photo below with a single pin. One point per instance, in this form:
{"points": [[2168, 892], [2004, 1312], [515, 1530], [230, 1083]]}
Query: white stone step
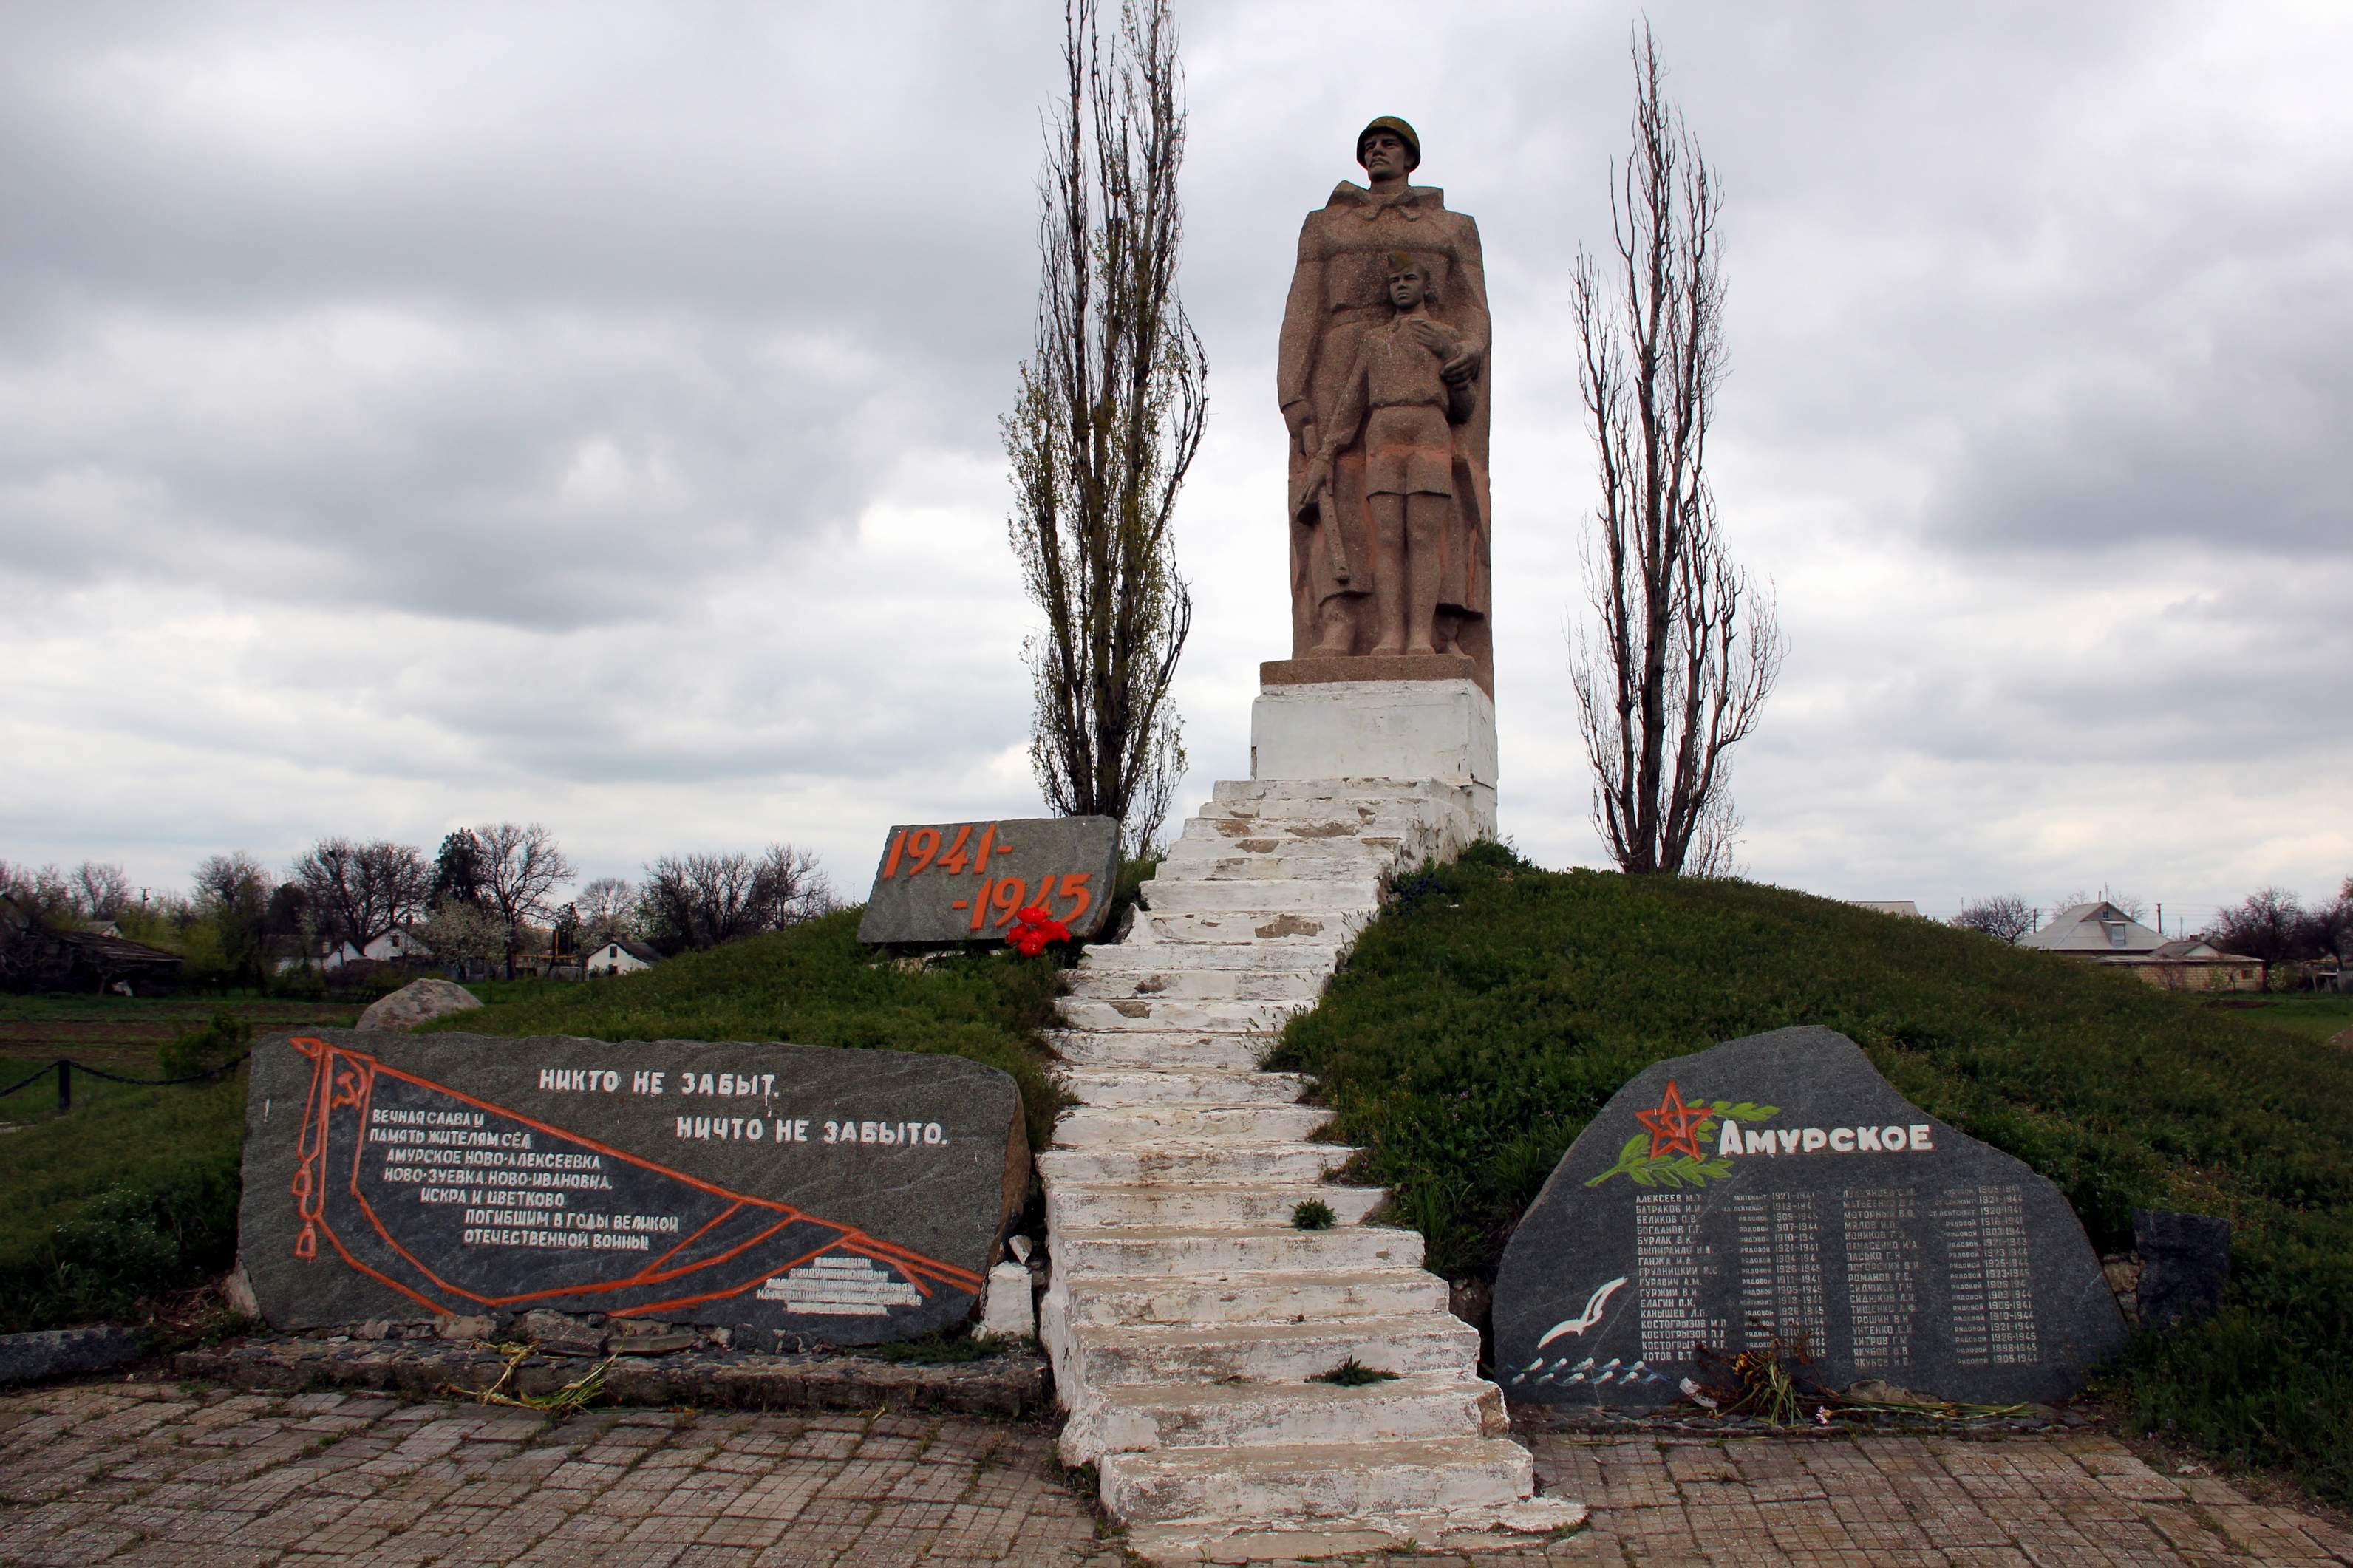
{"points": [[1161, 930], [1173, 1250], [1195, 1053], [1288, 986], [1231, 792], [1147, 1416], [1251, 1297], [1253, 835], [1337, 898], [1317, 1483], [1219, 1016], [1087, 1125], [1194, 1160], [1240, 953], [1203, 1204], [1303, 862], [1124, 1354], [1144, 1087]]}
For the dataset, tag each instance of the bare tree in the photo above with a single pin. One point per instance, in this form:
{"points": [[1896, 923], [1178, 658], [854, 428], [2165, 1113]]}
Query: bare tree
{"points": [[2005, 916], [1108, 419], [359, 891], [101, 889], [1689, 645], [605, 905], [517, 866], [701, 901], [2272, 926], [233, 892]]}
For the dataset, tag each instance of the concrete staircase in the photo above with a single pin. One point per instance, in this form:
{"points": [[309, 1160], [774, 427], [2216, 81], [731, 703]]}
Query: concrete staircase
{"points": [[1188, 1318]]}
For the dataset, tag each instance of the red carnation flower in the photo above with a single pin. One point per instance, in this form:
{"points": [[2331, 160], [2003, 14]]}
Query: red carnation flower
{"points": [[1033, 927]]}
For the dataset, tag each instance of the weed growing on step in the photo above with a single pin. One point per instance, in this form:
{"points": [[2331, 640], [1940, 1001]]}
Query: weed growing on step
{"points": [[1471, 1036], [1311, 1214], [1353, 1374], [940, 1347]]}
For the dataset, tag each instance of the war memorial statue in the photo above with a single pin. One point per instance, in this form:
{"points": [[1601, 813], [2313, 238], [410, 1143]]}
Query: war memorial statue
{"points": [[1383, 376], [1383, 372]]}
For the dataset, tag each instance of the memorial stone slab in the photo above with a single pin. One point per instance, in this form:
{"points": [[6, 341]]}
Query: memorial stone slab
{"points": [[2185, 1263], [846, 1196], [1777, 1184], [964, 881]]}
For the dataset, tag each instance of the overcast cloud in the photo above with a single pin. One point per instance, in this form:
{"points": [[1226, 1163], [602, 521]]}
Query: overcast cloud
{"points": [[416, 416]]}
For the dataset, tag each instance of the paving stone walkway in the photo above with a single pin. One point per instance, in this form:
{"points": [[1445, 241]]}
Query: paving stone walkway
{"points": [[131, 1474]]}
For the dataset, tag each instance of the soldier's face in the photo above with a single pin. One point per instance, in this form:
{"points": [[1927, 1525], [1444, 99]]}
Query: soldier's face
{"points": [[1383, 154], [1407, 288]]}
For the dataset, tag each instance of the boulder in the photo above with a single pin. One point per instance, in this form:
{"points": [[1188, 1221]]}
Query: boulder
{"points": [[416, 1002]]}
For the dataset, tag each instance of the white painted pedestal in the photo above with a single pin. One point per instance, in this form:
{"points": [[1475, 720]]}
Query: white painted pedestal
{"points": [[1411, 731]]}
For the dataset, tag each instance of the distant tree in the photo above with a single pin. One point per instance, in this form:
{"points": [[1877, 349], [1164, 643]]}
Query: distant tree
{"points": [[700, 900], [2336, 922], [359, 891], [1111, 409], [2270, 925], [461, 933], [31, 901], [457, 870], [1689, 645], [232, 898], [99, 889], [607, 906], [519, 867], [2005, 916]]}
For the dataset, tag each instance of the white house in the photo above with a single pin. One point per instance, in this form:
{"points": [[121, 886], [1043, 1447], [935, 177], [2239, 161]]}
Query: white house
{"points": [[334, 958], [619, 955], [395, 945]]}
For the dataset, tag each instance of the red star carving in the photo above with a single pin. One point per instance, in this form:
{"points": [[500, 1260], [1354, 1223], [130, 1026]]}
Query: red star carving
{"points": [[1672, 1124]]}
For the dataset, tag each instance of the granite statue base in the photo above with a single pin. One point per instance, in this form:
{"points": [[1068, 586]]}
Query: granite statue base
{"points": [[1437, 728]]}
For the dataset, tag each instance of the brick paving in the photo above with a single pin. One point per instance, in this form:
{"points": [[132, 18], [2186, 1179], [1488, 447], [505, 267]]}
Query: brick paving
{"points": [[136, 1474]]}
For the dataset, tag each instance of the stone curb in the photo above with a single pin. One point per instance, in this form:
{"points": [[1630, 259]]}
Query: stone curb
{"points": [[65, 1352], [1013, 1385]]}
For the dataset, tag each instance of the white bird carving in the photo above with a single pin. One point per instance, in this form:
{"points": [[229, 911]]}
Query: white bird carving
{"points": [[1588, 1318]]}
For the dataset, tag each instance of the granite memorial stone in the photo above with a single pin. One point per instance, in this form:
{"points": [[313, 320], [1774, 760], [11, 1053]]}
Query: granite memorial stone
{"points": [[965, 881], [2185, 1261], [1777, 1186], [847, 1195]]}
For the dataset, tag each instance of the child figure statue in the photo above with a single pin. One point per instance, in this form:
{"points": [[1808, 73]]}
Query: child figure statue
{"points": [[1405, 388]]}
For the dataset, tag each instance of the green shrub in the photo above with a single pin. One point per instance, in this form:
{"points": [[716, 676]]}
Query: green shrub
{"points": [[1311, 1214], [206, 1046]]}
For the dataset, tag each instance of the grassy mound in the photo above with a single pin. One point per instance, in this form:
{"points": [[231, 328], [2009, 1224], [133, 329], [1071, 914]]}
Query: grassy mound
{"points": [[1490, 1012], [813, 985]]}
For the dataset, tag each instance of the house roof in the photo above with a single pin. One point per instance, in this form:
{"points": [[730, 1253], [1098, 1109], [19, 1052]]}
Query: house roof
{"points": [[636, 950], [114, 952], [2092, 927]]}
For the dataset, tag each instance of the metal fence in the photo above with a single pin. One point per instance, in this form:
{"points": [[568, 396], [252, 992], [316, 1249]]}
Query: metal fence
{"points": [[66, 1067]]}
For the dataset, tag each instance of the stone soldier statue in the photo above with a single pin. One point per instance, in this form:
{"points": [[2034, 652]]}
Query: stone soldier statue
{"points": [[1388, 460]]}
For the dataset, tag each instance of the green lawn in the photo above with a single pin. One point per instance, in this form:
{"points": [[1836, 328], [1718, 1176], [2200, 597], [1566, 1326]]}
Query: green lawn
{"points": [[1481, 1022], [133, 1192], [2316, 1018]]}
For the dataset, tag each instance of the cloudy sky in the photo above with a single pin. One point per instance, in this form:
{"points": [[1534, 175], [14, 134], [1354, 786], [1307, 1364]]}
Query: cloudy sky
{"points": [[418, 415]]}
